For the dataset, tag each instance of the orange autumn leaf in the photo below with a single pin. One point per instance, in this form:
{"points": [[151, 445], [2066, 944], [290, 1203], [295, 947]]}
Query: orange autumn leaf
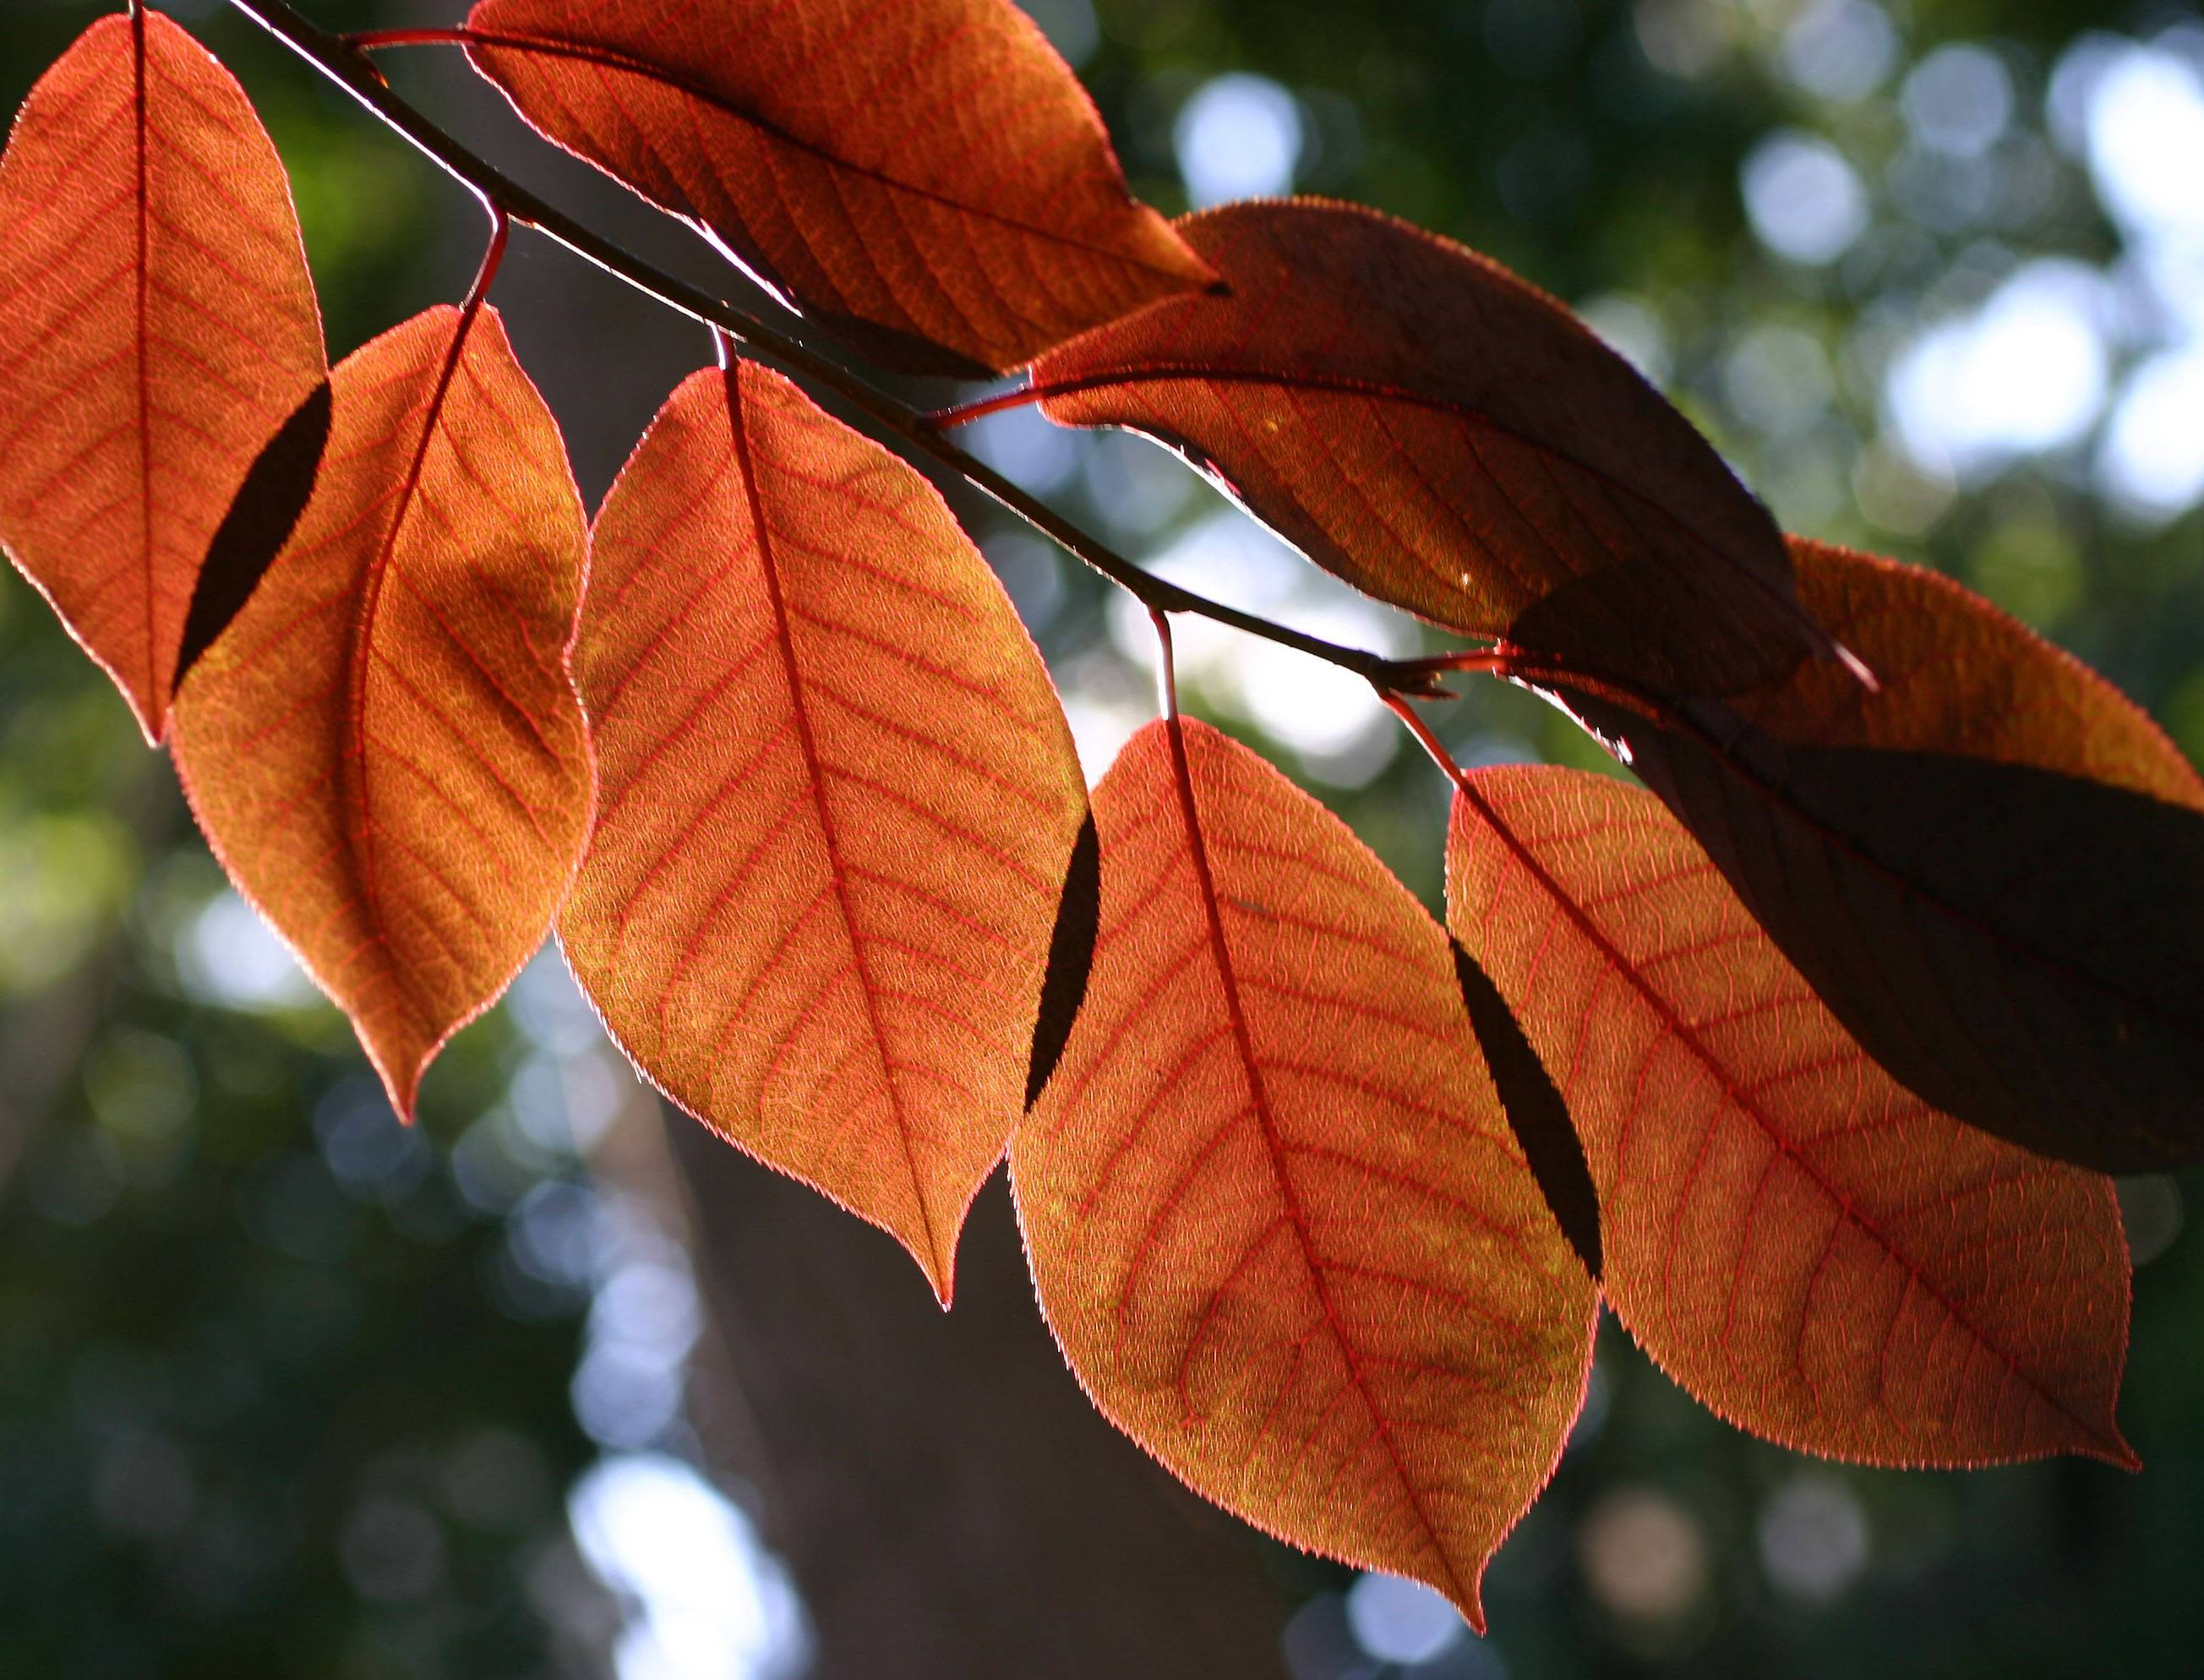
{"points": [[927, 177], [1955, 674], [1992, 866], [1807, 1247], [157, 325], [839, 807], [1275, 1217], [1424, 425], [385, 748]]}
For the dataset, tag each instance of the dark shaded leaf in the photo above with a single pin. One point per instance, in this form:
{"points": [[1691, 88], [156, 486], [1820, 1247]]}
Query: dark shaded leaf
{"points": [[1424, 425], [1812, 1250], [1992, 869]]}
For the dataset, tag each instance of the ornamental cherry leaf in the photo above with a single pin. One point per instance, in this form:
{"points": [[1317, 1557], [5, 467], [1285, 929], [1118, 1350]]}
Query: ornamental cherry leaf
{"points": [[1424, 425], [841, 803], [1276, 1219], [927, 177], [1807, 1247], [385, 748], [157, 324], [1991, 868]]}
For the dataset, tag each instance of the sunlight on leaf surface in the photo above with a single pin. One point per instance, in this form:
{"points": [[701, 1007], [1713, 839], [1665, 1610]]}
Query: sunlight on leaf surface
{"points": [[1275, 1217], [839, 804], [157, 326], [1811, 1250], [385, 748], [927, 176]]}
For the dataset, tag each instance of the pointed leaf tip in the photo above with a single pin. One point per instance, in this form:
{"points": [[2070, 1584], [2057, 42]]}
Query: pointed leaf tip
{"points": [[148, 348], [839, 803], [1276, 1220], [384, 748]]}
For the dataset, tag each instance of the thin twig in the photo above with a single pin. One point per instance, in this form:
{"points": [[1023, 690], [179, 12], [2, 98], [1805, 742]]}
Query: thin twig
{"points": [[347, 64]]}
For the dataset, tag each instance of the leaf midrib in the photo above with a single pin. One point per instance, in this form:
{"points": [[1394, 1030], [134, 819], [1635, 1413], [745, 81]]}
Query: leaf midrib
{"points": [[609, 58], [1274, 1150], [1743, 1099], [1476, 419], [937, 1263], [142, 305], [364, 632]]}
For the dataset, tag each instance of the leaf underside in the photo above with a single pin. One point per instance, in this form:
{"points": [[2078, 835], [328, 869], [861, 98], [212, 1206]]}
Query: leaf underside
{"points": [[927, 177], [1275, 1216], [1808, 1248], [157, 325], [385, 748], [1808, 1059], [840, 804], [1422, 423], [1992, 869]]}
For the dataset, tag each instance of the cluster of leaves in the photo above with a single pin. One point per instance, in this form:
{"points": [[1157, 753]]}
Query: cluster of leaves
{"points": [[1808, 1057]]}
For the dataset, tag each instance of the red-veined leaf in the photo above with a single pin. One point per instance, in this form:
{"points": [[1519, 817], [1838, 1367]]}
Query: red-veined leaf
{"points": [[1993, 868], [157, 325], [1807, 1247], [1428, 427], [839, 807], [1275, 1217], [385, 748], [926, 175]]}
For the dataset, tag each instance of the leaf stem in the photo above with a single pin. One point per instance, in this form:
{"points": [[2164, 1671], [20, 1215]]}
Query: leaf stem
{"points": [[963, 414], [373, 40], [1166, 665], [1431, 744], [501, 233], [345, 61]]}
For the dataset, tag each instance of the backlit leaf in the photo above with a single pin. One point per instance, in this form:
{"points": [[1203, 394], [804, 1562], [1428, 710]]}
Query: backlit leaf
{"points": [[1275, 1217], [1807, 1247], [1992, 869], [926, 175], [157, 326], [1428, 427], [385, 748], [841, 803]]}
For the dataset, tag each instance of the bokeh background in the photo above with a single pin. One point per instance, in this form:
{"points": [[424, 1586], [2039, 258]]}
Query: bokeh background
{"points": [[550, 1386]]}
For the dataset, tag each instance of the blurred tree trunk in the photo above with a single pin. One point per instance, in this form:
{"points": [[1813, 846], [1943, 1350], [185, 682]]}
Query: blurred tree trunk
{"points": [[953, 1506]]}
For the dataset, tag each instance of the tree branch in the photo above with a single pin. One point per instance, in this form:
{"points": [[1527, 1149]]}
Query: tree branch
{"points": [[346, 63]]}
